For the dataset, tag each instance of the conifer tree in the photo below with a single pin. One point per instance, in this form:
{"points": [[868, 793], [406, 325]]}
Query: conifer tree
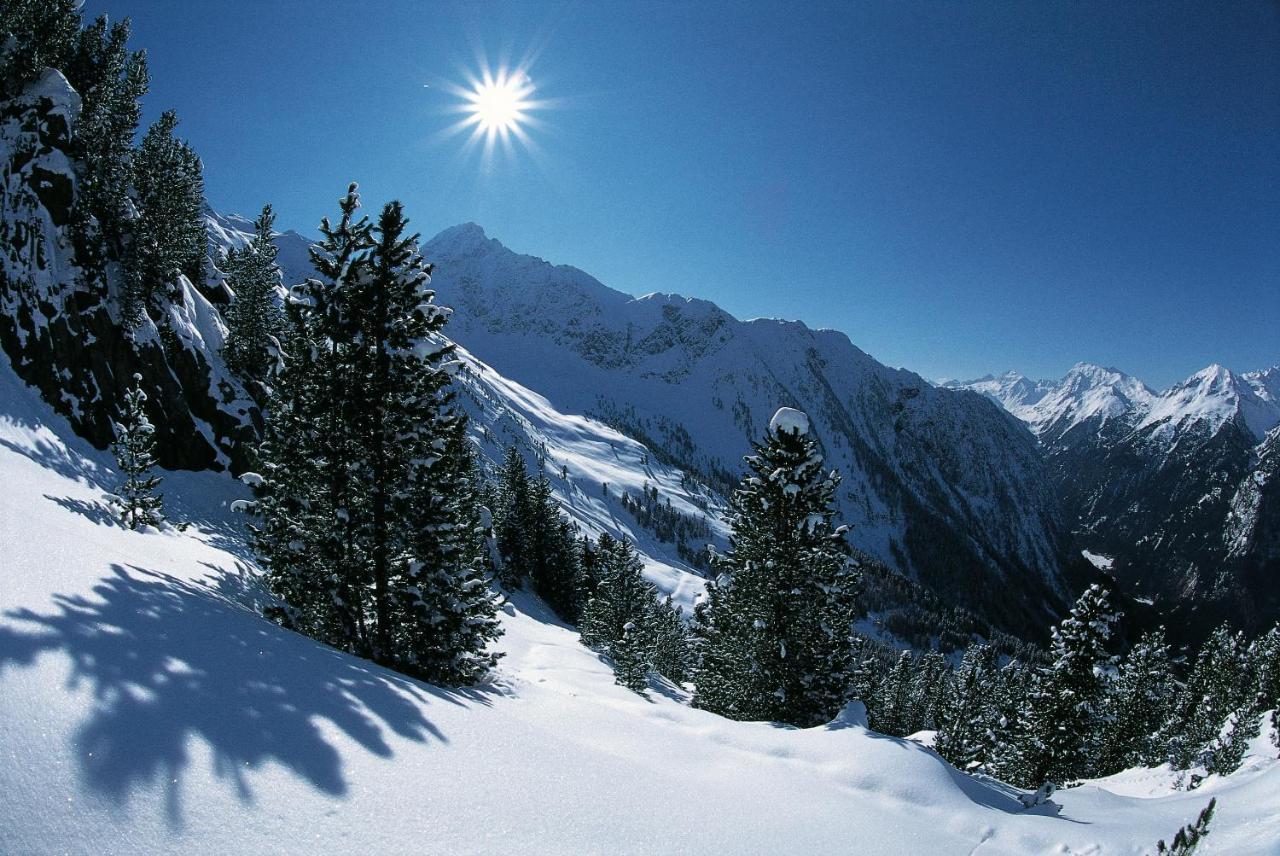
{"points": [[1264, 654], [1060, 733], [618, 620], [1008, 700], [308, 535], [169, 236], [136, 503], [1135, 706], [964, 712], [928, 685], [369, 518], [672, 652], [253, 319], [632, 658], [511, 517], [778, 640], [1216, 687], [111, 82], [893, 709]]}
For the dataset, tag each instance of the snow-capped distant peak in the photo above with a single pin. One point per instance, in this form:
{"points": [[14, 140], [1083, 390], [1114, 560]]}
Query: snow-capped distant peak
{"points": [[1215, 395]]}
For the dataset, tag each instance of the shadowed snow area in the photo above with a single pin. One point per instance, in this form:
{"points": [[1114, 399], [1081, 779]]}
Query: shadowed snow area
{"points": [[145, 707]]}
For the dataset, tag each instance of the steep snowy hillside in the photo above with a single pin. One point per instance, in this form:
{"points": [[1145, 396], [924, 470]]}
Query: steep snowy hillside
{"points": [[146, 708], [591, 467], [1173, 485], [939, 484]]}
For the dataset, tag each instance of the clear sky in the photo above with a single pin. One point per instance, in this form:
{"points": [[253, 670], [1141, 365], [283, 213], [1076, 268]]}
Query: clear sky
{"points": [[960, 187]]}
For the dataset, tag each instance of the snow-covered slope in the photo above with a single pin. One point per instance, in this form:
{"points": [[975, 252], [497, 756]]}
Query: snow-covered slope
{"points": [[1175, 485], [938, 484], [590, 467], [146, 708]]}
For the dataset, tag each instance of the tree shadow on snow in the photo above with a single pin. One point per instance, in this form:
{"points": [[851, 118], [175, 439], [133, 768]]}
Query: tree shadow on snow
{"points": [[95, 512], [167, 659]]}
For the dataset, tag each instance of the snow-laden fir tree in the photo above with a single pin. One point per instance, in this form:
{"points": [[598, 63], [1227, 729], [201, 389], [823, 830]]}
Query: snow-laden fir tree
{"points": [[892, 711], [307, 534], [964, 713], [253, 319], [1136, 703], [618, 620], [633, 658], [553, 563], [672, 652], [1008, 692], [168, 235], [511, 515], [777, 621], [449, 610], [1062, 727], [369, 525], [928, 685], [136, 501], [537, 542], [1216, 687]]}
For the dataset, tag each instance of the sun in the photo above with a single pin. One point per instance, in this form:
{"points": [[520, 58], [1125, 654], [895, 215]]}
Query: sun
{"points": [[500, 104], [497, 109]]}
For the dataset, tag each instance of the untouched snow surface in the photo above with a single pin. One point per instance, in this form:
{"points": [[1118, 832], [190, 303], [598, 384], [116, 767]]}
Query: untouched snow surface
{"points": [[145, 707]]}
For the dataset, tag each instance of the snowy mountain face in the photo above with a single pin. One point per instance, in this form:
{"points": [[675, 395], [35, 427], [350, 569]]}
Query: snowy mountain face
{"points": [[939, 484], [1175, 486]]}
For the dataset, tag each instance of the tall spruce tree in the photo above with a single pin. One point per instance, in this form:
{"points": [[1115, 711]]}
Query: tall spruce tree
{"points": [[369, 520], [254, 321], [168, 236], [511, 517], [777, 632], [1216, 687], [618, 620], [672, 652], [964, 713], [1062, 727], [308, 536], [136, 501], [1135, 706], [893, 710]]}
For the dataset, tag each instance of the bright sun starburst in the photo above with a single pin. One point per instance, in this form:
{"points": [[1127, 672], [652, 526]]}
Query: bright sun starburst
{"points": [[500, 103], [496, 108]]}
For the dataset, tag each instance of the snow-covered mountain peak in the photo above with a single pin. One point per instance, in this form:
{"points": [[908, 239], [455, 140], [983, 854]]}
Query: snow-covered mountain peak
{"points": [[1215, 395]]}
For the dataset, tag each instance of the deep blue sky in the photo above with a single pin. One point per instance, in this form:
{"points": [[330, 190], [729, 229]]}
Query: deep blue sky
{"points": [[961, 187]]}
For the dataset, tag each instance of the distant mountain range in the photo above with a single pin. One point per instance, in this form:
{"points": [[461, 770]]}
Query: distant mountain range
{"points": [[1177, 487]]}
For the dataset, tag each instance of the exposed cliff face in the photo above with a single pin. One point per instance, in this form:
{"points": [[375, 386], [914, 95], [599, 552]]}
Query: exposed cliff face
{"points": [[63, 331], [939, 484]]}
